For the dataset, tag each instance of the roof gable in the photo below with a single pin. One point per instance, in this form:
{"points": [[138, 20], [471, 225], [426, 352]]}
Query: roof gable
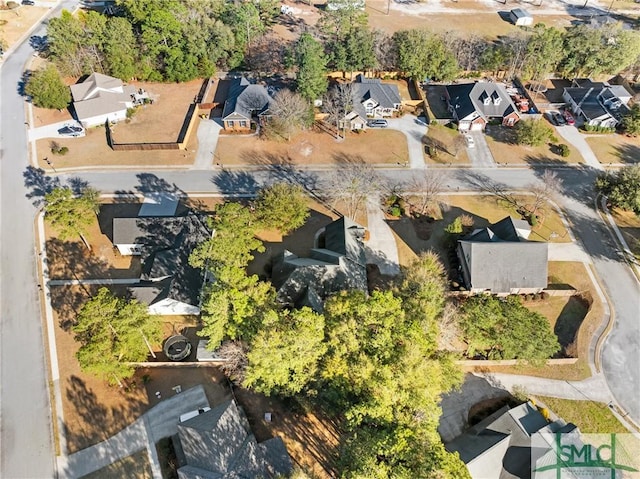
{"points": [[245, 99]]}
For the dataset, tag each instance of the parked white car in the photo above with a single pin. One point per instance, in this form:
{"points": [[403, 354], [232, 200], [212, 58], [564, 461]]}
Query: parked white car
{"points": [[469, 140]]}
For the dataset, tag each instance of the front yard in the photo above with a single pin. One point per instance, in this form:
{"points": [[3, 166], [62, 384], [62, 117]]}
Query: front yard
{"points": [[505, 150], [449, 145], [591, 417], [629, 225], [615, 148], [374, 146]]}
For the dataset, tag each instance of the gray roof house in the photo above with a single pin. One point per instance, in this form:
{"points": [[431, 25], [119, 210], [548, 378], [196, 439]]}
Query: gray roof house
{"points": [[168, 284], [500, 259], [243, 102], [473, 105], [100, 98], [501, 446], [600, 104], [337, 262], [372, 99], [218, 444]]}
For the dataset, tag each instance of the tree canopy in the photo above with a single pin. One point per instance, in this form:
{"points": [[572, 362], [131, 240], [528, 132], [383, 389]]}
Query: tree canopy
{"points": [[285, 353], [533, 132], [69, 214], [312, 67], [505, 329], [631, 121], [47, 90], [422, 54], [282, 206], [622, 188], [114, 332]]}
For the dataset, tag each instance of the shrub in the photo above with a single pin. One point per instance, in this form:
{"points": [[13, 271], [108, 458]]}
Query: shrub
{"points": [[12, 5], [63, 151], [599, 129], [553, 139], [131, 112], [536, 297], [533, 220], [564, 150], [455, 227], [544, 295], [56, 149], [395, 210]]}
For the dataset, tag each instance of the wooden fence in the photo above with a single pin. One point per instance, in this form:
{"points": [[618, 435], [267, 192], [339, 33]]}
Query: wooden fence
{"points": [[185, 130]]}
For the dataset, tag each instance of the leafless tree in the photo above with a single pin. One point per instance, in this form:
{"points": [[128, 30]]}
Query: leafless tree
{"points": [[351, 184], [449, 330], [544, 190], [235, 355], [385, 51], [427, 185], [467, 49], [290, 112], [517, 45], [267, 54], [338, 102]]}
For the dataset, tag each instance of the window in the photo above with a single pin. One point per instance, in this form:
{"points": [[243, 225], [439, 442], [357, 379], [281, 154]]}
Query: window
{"points": [[243, 124]]}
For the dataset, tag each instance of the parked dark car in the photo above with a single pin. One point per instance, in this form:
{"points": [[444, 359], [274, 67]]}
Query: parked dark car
{"points": [[71, 130], [558, 119], [28, 2], [377, 123]]}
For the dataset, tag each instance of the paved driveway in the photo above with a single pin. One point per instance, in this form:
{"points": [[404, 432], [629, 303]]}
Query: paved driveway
{"points": [[577, 141], [51, 131], [381, 249], [208, 134], [480, 156], [414, 129]]}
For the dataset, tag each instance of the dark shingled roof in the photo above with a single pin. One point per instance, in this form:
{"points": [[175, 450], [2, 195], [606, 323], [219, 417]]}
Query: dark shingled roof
{"points": [[502, 442], [244, 99], [385, 94], [166, 272], [218, 444], [469, 97], [591, 100], [499, 260], [339, 265]]}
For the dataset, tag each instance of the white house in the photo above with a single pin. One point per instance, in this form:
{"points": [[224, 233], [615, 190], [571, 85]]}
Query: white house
{"points": [[100, 98], [599, 104]]}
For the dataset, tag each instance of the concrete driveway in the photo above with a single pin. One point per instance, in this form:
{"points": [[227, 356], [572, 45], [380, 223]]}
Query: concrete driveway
{"points": [[208, 134], [480, 156], [381, 249], [159, 422], [414, 129], [577, 141], [51, 131]]}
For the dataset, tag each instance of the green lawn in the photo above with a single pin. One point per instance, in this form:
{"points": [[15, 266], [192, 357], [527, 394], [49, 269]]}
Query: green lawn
{"points": [[589, 416]]}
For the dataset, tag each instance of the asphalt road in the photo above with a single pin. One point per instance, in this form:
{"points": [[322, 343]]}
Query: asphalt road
{"points": [[26, 449]]}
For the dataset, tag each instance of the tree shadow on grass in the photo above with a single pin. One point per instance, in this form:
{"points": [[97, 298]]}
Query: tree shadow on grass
{"points": [[628, 153], [72, 260], [545, 161], [67, 302], [568, 323], [92, 420], [39, 184]]}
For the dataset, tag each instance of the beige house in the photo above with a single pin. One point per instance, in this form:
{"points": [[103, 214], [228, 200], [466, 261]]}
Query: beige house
{"points": [[100, 98]]}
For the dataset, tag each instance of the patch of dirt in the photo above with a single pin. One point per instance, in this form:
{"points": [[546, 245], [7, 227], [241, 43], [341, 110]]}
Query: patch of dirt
{"points": [[311, 437]]}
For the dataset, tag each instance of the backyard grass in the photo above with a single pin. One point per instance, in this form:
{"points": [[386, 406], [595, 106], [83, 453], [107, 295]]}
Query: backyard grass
{"points": [[135, 466], [563, 275], [615, 148], [444, 138], [629, 224], [505, 150], [591, 417], [382, 146]]}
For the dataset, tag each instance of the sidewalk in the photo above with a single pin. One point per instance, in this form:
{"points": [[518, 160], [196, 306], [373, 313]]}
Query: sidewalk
{"points": [[381, 249]]}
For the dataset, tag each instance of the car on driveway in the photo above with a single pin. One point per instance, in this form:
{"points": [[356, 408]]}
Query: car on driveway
{"points": [[557, 118], [71, 130], [377, 123], [569, 117], [28, 2], [470, 142]]}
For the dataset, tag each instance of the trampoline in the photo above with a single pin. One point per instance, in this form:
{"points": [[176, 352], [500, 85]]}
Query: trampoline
{"points": [[177, 347]]}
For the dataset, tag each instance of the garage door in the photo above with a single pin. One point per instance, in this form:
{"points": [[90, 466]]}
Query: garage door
{"points": [[476, 127]]}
